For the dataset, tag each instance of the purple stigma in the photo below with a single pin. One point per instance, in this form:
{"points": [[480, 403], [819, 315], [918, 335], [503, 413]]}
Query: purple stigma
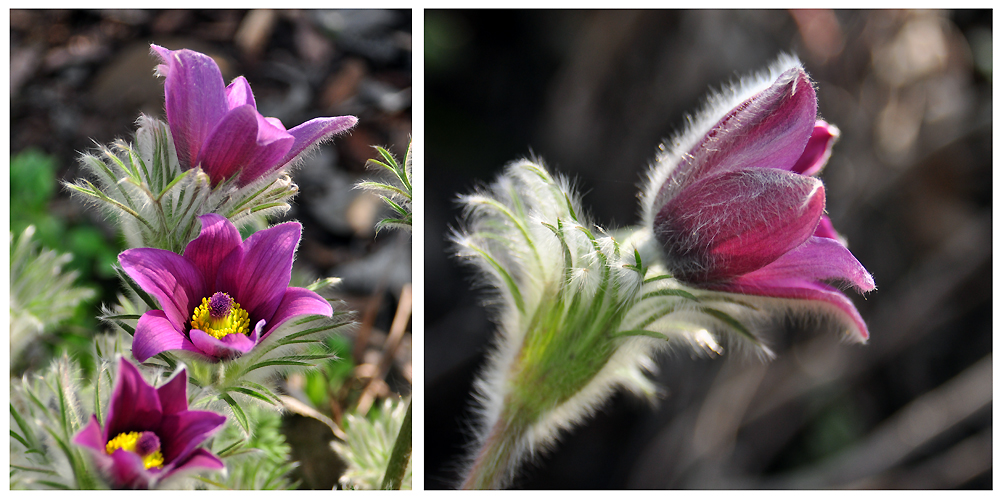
{"points": [[147, 444], [219, 305]]}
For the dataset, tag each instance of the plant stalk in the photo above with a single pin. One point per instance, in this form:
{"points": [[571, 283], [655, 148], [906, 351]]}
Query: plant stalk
{"points": [[497, 461], [400, 458]]}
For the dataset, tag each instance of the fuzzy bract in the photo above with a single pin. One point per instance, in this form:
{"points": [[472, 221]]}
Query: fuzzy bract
{"points": [[735, 208], [223, 295], [218, 128], [149, 434]]}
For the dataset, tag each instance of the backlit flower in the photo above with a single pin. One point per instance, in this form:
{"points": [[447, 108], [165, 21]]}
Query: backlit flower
{"points": [[735, 207], [223, 295], [219, 129], [149, 434]]}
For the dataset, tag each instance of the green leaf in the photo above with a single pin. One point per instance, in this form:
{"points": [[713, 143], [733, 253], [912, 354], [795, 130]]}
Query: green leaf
{"points": [[252, 393], [241, 416], [271, 363], [732, 322], [642, 332], [670, 292]]}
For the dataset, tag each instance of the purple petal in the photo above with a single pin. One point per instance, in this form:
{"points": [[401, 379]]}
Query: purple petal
{"points": [[230, 346], [230, 145], [154, 334], [183, 432], [298, 302], [195, 100], [817, 259], [273, 143], [92, 437], [737, 222], [128, 471], [825, 229], [200, 459], [797, 275], [818, 149], [238, 93], [258, 276], [217, 239], [135, 406], [770, 129], [173, 393], [171, 279], [316, 131]]}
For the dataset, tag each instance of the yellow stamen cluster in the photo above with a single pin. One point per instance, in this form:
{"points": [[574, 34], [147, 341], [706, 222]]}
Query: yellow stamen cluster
{"points": [[128, 442], [238, 320]]}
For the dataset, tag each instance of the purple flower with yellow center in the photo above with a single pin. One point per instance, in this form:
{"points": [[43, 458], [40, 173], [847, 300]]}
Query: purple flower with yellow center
{"points": [[741, 211], [150, 435], [223, 295], [219, 129]]}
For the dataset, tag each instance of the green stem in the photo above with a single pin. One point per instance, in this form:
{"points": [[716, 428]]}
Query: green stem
{"points": [[400, 458]]}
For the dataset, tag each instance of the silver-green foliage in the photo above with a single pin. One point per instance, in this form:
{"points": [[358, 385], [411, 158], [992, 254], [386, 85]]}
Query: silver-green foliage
{"points": [[579, 314], [397, 192], [42, 294], [234, 386], [369, 444], [261, 461], [142, 187], [47, 409]]}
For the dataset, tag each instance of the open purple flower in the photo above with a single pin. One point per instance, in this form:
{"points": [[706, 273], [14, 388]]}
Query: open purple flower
{"points": [[150, 434], [223, 295], [218, 127], [740, 211]]}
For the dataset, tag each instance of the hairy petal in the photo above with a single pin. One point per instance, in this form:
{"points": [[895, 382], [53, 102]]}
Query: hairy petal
{"points": [[183, 432], [770, 129], [798, 275], [171, 279], [230, 346], [154, 334], [298, 302], [231, 144], [273, 142], [217, 239], [736, 222], [128, 471], [200, 459], [173, 393], [91, 436], [818, 259], [238, 93], [818, 149], [825, 229], [259, 274], [195, 100], [135, 404], [316, 131]]}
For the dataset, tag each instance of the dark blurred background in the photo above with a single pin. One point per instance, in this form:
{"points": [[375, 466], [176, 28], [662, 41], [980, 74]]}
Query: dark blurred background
{"points": [[83, 76], [909, 184]]}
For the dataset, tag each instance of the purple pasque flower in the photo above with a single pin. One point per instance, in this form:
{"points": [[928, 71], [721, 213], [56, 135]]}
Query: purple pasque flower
{"points": [[223, 295], [149, 434], [740, 211], [218, 127]]}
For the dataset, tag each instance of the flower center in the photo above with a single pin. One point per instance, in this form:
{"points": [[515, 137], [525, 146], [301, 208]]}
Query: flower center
{"points": [[220, 316], [144, 443]]}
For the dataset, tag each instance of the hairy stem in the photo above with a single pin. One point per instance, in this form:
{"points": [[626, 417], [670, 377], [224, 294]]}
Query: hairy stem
{"points": [[498, 459], [400, 457]]}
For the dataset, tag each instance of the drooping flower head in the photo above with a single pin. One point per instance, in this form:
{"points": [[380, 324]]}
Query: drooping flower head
{"points": [[735, 207], [219, 129], [149, 434], [223, 295]]}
